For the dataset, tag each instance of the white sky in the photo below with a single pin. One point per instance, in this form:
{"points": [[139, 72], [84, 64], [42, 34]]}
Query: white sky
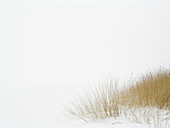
{"points": [[53, 42]]}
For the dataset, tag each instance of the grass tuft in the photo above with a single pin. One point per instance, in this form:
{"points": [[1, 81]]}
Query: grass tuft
{"points": [[151, 90]]}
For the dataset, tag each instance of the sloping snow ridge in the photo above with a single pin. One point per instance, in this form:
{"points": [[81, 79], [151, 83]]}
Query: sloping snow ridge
{"points": [[130, 118]]}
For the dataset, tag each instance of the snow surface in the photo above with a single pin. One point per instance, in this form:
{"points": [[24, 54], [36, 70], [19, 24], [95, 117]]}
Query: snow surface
{"points": [[43, 107]]}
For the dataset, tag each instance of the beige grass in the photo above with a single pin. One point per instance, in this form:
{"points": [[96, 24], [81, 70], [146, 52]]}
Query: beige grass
{"points": [[151, 90]]}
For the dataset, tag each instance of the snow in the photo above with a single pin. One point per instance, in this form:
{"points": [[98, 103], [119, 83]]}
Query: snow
{"points": [[34, 107]]}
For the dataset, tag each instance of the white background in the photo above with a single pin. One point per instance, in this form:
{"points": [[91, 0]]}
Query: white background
{"points": [[50, 48]]}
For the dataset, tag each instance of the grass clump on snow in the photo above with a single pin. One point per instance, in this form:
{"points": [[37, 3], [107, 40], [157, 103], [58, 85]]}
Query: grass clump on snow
{"points": [[151, 90]]}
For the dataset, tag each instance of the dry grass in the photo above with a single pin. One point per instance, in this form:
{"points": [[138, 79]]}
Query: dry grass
{"points": [[98, 103], [151, 90]]}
